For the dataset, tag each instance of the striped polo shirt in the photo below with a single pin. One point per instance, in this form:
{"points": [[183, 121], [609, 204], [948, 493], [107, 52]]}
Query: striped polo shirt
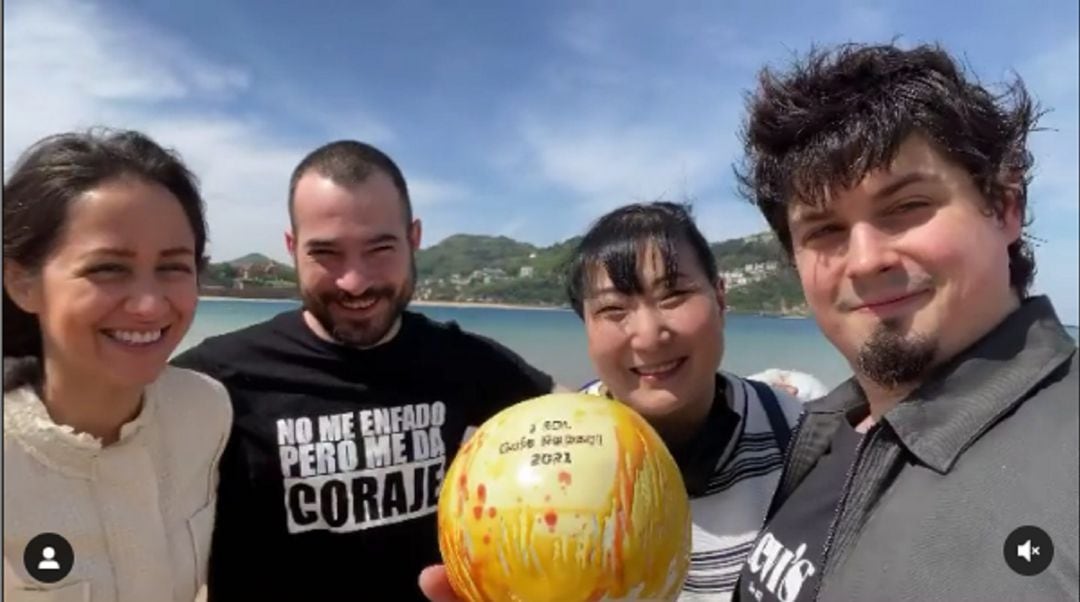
{"points": [[734, 482]]}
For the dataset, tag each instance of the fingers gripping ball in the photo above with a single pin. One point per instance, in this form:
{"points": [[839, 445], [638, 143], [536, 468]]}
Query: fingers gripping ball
{"points": [[566, 497]]}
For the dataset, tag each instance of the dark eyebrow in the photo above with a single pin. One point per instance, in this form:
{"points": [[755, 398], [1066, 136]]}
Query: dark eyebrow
{"points": [[669, 279], [658, 281], [810, 216], [176, 251], [129, 254], [111, 251], [814, 215], [904, 181], [381, 238], [320, 243], [325, 243]]}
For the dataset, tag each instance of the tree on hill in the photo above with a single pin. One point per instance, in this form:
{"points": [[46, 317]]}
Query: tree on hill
{"points": [[465, 253], [444, 272], [737, 252], [249, 260]]}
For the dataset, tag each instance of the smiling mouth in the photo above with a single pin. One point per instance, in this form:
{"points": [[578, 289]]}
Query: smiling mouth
{"points": [[656, 372], [358, 304], [136, 338], [889, 302]]}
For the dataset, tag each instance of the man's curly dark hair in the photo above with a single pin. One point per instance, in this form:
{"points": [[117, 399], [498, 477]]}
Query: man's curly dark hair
{"points": [[838, 114]]}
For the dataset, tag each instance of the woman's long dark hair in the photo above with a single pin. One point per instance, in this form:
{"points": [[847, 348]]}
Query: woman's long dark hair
{"points": [[48, 177]]}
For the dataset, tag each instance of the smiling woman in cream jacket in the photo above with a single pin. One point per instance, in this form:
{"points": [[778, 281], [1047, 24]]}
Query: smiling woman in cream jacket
{"points": [[104, 445]]}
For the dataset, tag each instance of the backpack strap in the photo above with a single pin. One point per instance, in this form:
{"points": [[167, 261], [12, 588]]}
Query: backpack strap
{"points": [[777, 420]]}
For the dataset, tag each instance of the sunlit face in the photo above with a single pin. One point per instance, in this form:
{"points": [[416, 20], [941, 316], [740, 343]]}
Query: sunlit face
{"points": [[659, 351], [354, 257], [119, 291], [907, 268]]}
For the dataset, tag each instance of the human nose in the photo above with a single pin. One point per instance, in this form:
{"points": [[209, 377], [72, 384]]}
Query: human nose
{"points": [[869, 251], [647, 329], [147, 300], [353, 280]]}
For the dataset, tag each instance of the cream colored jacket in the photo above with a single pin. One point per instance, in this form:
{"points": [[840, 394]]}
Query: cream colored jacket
{"points": [[138, 513]]}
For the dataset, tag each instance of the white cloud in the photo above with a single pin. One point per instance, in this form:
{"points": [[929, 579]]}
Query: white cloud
{"points": [[429, 192], [70, 65], [1053, 78], [608, 167]]}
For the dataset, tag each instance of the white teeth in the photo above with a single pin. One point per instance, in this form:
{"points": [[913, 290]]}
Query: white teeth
{"points": [[358, 304], [656, 368], [136, 337]]}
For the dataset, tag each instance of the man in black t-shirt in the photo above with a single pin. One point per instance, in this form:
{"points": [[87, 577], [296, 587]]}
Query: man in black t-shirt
{"points": [[347, 411]]}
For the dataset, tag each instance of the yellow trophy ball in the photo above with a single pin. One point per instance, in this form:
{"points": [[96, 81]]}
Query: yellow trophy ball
{"points": [[567, 497]]}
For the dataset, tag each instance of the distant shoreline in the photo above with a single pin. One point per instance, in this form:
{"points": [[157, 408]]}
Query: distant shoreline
{"points": [[255, 299], [428, 303], [458, 304], [485, 305]]}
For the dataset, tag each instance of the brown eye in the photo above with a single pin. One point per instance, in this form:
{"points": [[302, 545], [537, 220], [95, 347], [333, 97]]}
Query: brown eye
{"points": [[821, 232], [674, 297], [910, 206], [105, 269], [177, 267], [610, 312]]}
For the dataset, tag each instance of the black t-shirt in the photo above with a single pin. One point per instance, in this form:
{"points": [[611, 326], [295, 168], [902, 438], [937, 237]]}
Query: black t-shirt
{"points": [[785, 564], [329, 482]]}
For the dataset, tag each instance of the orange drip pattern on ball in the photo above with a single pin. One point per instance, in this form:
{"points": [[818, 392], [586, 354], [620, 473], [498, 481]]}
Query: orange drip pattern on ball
{"points": [[566, 497]]}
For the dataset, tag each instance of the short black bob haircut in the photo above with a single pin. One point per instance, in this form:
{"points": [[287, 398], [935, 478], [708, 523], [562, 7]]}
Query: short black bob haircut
{"points": [[618, 240]]}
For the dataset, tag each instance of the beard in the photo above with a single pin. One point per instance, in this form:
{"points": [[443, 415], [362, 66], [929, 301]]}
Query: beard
{"points": [[890, 359], [369, 330]]}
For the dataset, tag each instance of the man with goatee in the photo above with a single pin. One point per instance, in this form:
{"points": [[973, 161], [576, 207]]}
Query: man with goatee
{"points": [[898, 185]]}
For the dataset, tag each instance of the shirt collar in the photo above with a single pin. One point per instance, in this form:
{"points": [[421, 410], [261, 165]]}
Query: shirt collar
{"points": [[27, 421], [964, 397], [713, 441]]}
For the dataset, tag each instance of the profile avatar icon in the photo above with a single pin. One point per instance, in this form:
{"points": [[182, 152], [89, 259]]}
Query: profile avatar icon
{"points": [[48, 560], [48, 557]]}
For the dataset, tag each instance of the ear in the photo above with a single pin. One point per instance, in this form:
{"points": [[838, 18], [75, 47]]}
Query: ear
{"points": [[23, 288], [414, 234], [290, 243], [1012, 221], [721, 293]]}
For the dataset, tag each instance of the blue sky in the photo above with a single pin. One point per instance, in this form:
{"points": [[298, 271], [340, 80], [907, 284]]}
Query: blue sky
{"points": [[527, 119]]}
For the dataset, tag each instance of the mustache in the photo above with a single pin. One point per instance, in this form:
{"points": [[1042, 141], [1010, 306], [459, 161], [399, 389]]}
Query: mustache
{"points": [[368, 295], [884, 289]]}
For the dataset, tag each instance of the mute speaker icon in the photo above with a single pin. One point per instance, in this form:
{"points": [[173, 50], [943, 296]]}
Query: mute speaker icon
{"points": [[1026, 550]]}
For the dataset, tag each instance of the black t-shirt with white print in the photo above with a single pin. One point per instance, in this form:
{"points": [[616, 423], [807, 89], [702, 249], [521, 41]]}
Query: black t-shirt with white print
{"points": [[329, 483], [785, 563]]}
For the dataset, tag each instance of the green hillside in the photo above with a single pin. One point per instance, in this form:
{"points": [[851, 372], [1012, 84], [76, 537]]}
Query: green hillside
{"points": [[471, 268], [251, 272], [463, 253], [497, 269]]}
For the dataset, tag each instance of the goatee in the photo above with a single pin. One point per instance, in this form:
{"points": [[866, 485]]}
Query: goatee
{"points": [[890, 359], [370, 330]]}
